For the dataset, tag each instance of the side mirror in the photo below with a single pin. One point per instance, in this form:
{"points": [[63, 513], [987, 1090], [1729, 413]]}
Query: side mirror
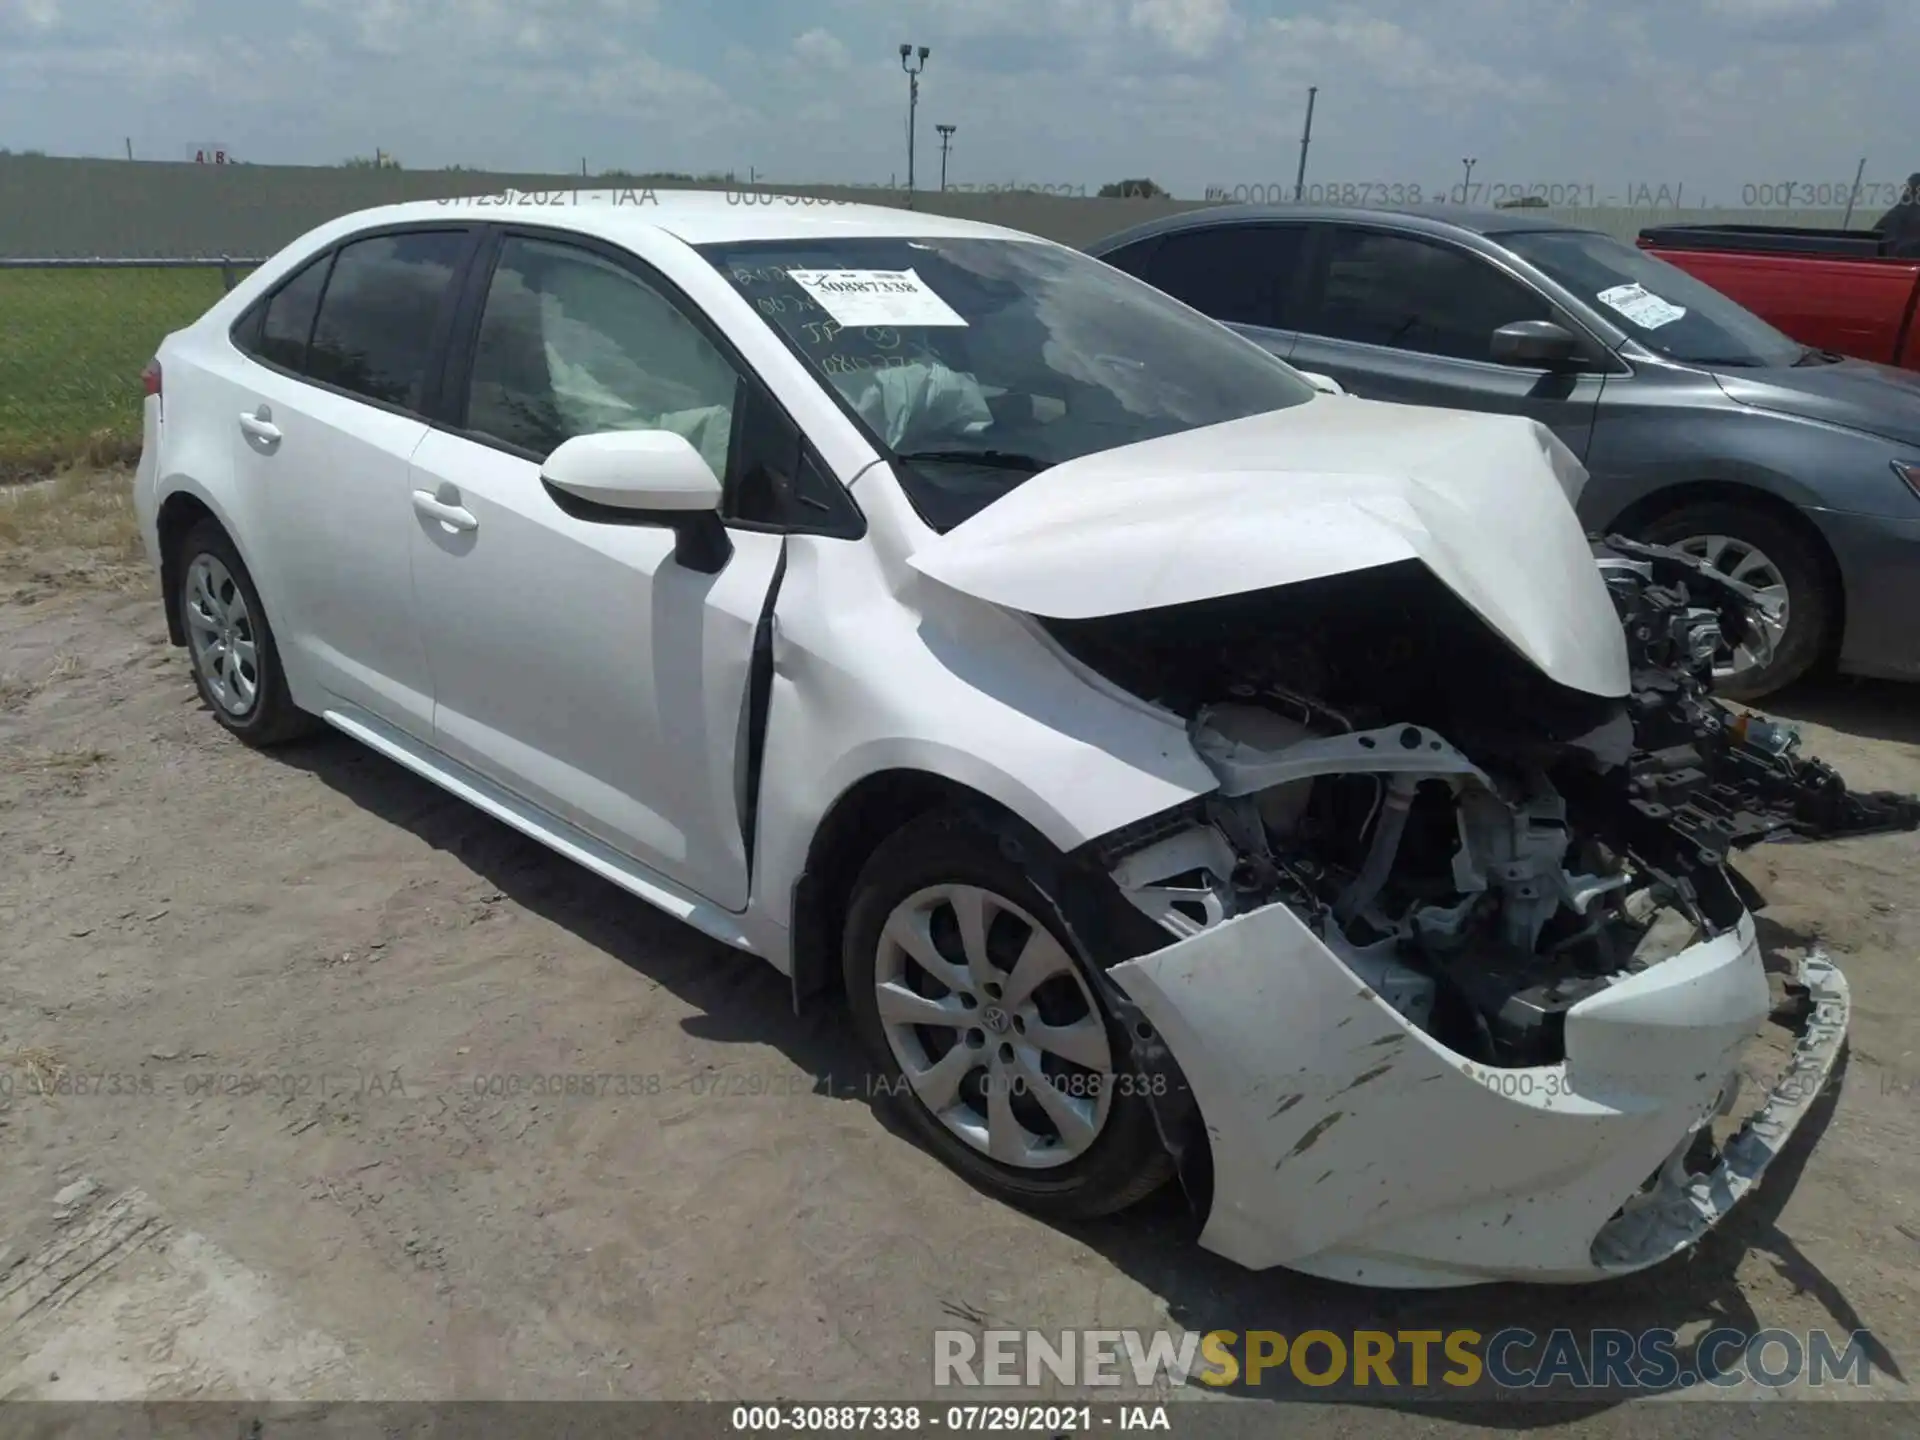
{"points": [[1326, 384], [643, 477], [1538, 343], [634, 470]]}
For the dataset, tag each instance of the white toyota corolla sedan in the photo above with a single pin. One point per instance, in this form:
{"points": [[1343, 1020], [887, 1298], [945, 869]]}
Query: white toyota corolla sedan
{"points": [[1184, 768]]}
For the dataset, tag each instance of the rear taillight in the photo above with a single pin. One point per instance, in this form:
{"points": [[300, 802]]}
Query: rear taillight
{"points": [[150, 378]]}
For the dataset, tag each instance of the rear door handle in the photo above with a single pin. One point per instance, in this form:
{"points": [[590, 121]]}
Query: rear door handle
{"points": [[259, 427], [454, 517]]}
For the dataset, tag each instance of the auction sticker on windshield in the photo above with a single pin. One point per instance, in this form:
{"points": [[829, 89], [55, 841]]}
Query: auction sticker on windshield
{"points": [[1641, 306], [875, 297]]}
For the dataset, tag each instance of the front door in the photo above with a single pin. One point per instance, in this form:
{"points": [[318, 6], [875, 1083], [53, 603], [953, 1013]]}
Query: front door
{"points": [[575, 661]]}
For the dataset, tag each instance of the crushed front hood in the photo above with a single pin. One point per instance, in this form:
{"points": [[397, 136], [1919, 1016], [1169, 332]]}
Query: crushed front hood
{"points": [[1332, 486]]}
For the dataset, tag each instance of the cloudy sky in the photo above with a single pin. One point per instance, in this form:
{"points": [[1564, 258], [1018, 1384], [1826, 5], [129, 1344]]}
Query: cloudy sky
{"points": [[1713, 94]]}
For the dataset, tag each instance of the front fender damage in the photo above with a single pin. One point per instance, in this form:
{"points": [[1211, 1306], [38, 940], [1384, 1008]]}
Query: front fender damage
{"points": [[1461, 978]]}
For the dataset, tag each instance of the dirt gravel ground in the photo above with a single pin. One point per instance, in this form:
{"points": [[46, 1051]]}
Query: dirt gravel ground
{"points": [[291, 1010]]}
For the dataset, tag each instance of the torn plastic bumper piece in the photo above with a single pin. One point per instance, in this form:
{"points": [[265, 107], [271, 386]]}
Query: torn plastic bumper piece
{"points": [[1680, 1208], [1349, 1144]]}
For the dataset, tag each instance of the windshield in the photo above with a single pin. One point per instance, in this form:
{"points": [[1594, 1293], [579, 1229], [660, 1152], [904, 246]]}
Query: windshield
{"points": [[976, 363], [1660, 305]]}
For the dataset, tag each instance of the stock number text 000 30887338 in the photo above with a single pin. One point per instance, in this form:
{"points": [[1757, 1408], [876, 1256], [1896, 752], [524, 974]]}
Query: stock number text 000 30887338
{"points": [[1044, 1419]]}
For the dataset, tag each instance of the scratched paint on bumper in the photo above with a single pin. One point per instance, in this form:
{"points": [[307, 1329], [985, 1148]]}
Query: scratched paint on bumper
{"points": [[1348, 1144]]}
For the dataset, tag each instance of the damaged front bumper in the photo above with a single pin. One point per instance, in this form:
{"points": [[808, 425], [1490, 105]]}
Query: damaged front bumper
{"points": [[1349, 1144]]}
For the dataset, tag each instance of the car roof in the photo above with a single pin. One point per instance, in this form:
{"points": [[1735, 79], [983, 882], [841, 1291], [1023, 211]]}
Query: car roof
{"points": [[697, 217], [1451, 220]]}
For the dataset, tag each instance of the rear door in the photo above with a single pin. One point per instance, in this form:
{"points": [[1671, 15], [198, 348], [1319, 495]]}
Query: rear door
{"points": [[344, 360], [1245, 275], [1397, 316]]}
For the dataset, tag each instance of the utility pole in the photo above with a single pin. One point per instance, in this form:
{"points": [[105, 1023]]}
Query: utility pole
{"points": [[946, 139], [129, 147], [1306, 139], [1854, 194], [913, 102], [1466, 189]]}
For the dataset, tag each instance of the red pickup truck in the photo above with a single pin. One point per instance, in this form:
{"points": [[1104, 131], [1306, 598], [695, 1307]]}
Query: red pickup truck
{"points": [[1831, 289]]}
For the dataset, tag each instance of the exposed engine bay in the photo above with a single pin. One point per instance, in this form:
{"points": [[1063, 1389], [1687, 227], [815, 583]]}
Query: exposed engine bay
{"points": [[1483, 846]]}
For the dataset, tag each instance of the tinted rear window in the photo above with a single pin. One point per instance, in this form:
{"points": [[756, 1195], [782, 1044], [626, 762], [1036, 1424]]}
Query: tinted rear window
{"points": [[1235, 273], [376, 326], [288, 323]]}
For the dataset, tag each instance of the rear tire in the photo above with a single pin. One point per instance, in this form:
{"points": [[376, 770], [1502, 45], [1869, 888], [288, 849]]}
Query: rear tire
{"points": [[1732, 535], [1072, 1153], [236, 664]]}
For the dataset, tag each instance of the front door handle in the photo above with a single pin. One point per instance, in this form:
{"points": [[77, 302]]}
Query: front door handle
{"points": [[259, 426], [454, 517]]}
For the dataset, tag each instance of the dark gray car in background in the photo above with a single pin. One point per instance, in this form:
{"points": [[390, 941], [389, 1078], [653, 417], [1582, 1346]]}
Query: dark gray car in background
{"points": [[1794, 470]]}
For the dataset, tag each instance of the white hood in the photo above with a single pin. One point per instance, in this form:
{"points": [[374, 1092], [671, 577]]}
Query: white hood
{"points": [[1335, 485]]}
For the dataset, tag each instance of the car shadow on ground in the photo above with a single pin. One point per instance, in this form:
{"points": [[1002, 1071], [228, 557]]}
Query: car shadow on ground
{"points": [[1868, 709], [741, 999]]}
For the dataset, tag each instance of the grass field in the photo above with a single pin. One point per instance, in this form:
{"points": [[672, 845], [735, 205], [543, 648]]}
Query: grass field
{"points": [[72, 345]]}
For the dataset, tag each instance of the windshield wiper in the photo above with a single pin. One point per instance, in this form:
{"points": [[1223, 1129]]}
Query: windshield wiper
{"points": [[989, 459], [1810, 355]]}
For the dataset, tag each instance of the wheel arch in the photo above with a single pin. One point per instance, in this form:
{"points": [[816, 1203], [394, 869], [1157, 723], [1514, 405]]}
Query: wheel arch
{"points": [[880, 803], [1670, 498], [184, 506], [853, 827]]}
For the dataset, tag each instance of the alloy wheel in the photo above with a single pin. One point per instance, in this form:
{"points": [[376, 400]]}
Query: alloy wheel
{"points": [[993, 1026], [1742, 561], [220, 635]]}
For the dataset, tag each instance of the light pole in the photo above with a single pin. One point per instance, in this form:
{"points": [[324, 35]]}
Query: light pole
{"points": [[1853, 195], [1466, 189], [1306, 139], [913, 101], [946, 139]]}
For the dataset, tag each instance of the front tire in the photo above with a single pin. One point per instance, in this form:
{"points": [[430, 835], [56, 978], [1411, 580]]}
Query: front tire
{"points": [[988, 1029], [236, 665], [1759, 548]]}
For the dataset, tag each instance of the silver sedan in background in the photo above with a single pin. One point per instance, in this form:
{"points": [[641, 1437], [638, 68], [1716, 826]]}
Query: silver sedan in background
{"points": [[1794, 471]]}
